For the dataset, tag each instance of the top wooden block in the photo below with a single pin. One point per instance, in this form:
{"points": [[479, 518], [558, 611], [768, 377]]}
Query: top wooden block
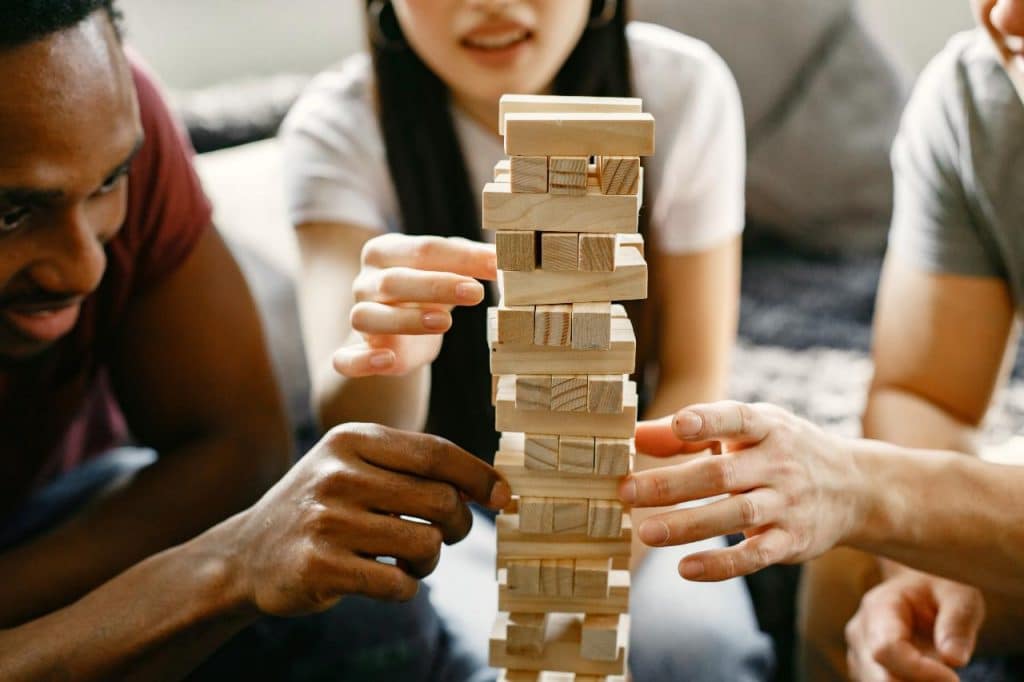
{"points": [[579, 134], [537, 104]]}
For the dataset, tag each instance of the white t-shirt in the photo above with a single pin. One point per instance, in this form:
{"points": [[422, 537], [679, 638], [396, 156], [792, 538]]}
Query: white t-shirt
{"points": [[336, 168]]}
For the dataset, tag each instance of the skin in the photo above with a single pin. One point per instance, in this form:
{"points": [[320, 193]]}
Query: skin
{"points": [[120, 590]]}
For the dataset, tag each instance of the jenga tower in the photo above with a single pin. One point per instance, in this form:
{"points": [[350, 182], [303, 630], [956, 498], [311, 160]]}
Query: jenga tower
{"points": [[561, 352]]}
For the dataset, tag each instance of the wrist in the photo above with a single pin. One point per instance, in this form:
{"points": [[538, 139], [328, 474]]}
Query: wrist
{"points": [[873, 516], [218, 566]]}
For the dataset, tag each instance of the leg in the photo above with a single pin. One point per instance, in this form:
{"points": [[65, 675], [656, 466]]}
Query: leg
{"points": [[693, 631]]}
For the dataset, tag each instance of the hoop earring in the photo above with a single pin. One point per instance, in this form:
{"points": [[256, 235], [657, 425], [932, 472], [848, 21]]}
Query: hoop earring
{"points": [[379, 12], [608, 10]]}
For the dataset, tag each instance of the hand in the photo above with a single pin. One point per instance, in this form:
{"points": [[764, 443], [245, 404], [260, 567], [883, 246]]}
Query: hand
{"points": [[791, 487], [404, 296], [314, 536], [914, 627]]}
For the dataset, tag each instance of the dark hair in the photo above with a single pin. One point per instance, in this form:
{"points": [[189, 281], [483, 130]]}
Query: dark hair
{"points": [[23, 21], [435, 197]]}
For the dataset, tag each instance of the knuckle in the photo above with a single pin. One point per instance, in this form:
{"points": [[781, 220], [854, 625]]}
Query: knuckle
{"points": [[723, 473], [661, 487], [750, 513], [360, 316], [425, 251], [445, 502], [372, 251], [746, 416]]}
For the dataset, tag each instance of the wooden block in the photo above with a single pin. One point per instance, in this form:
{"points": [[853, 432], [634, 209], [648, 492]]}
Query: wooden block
{"points": [[516, 250], [569, 516], [524, 576], [552, 325], [494, 388], [576, 454], [590, 577], [525, 634], [579, 134], [592, 325], [536, 483], [536, 515], [569, 393], [561, 651], [559, 252], [626, 283], [604, 393], [529, 174], [515, 324], [509, 419], [540, 452], [549, 577], [564, 575], [567, 174], [617, 600], [502, 169], [634, 241], [533, 392], [605, 519], [611, 456], [590, 212], [530, 104], [597, 252], [619, 174], [600, 637], [514, 544]]}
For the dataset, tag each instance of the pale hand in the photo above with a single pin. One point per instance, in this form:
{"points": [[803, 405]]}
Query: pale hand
{"points": [[914, 627], [404, 295], [789, 486]]}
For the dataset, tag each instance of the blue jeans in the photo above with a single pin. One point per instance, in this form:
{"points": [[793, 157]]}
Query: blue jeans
{"points": [[360, 639]]}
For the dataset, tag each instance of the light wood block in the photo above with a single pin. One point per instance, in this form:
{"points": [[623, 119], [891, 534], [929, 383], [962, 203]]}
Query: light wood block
{"points": [[517, 250], [561, 650], [531, 104], [633, 241], [605, 519], [590, 577], [510, 419], [514, 324], [616, 602], [515, 544], [567, 174], [536, 515], [600, 637], [540, 452], [612, 456], [502, 169], [569, 516], [533, 392], [579, 134], [597, 252], [529, 174], [537, 483], [619, 174], [552, 325], [524, 576], [604, 393], [576, 454], [619, 358], [569, 393], [549, 577], [541, 676], [525, 634], [591, 325], [591, 212], [626, 283], [559, 252]]}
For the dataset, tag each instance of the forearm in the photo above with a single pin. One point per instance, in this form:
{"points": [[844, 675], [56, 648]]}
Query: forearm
{"points": [[399, 402], [902, 418], [184, 493], [942, 513], [157, 620]]}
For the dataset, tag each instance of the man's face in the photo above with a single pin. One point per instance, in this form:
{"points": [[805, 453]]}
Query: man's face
{"points": [[69, 127], [1004, 20]]}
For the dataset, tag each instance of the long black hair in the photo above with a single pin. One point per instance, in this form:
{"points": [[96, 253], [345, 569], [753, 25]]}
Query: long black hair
{"points": [[435, 196]]}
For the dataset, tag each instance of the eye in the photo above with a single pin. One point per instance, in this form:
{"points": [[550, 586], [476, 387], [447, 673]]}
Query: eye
{"points": [[111, 183], [14, 218]]}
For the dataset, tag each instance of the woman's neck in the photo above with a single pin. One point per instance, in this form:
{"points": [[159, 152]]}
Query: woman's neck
{"points": [[485, 113]]}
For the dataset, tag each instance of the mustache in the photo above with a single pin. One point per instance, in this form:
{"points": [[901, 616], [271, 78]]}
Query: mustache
{"points": [[39, 298]]}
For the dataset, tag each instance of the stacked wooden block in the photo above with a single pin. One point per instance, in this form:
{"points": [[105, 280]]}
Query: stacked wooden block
{"points": [[565, 206]]}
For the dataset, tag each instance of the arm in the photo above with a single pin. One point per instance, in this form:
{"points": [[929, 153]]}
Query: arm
{"points": [[330, 264], [184, 363]]}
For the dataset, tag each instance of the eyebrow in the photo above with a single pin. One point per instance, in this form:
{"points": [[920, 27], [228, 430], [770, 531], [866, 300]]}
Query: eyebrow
{"points": [[29, 195]]}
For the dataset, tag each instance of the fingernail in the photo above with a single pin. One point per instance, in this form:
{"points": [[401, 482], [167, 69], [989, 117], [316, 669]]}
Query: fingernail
{"points": [[957, 648], [382, 359], [654, 533], [687, 424], [501, 495], [691, 569], [627, 491], [435, 320], [468, 291]]}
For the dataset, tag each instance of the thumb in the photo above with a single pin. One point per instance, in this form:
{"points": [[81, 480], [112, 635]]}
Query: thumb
{"points": [[961, 611]]}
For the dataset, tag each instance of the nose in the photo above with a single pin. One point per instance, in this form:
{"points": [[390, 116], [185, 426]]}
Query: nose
{"points": [[1008, 17], [72, 260]]}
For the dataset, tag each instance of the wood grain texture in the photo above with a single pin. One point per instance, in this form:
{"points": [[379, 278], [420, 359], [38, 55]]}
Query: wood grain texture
{"points": [[561, 649], [510, 460], [524, 576], [533, 104], [628, 282], [559, 252], [540, 452], [533, 392], [619, 174], [612, 456], [597, 252], [591, 326], [579, 134], [517, 251], [514, 324], [604, 393], [605, 519], [529, 174], [569, 393], [514, 544], [616, 602], [576, 454], [552, 325], [590, 212], [536, 515], [601, 637], [525, 634], [590, 577], [511, 420], [570, 516], [568, 175]]}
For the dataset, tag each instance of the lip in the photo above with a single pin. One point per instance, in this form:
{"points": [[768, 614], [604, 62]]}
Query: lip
{"points": [[497, 43], [43, 323]]}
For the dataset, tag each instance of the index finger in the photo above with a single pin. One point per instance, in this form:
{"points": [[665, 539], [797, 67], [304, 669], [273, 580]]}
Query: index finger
{"points": [[436, 254], [432, 458], [656, 438], [727, 421], [903, 660]]}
